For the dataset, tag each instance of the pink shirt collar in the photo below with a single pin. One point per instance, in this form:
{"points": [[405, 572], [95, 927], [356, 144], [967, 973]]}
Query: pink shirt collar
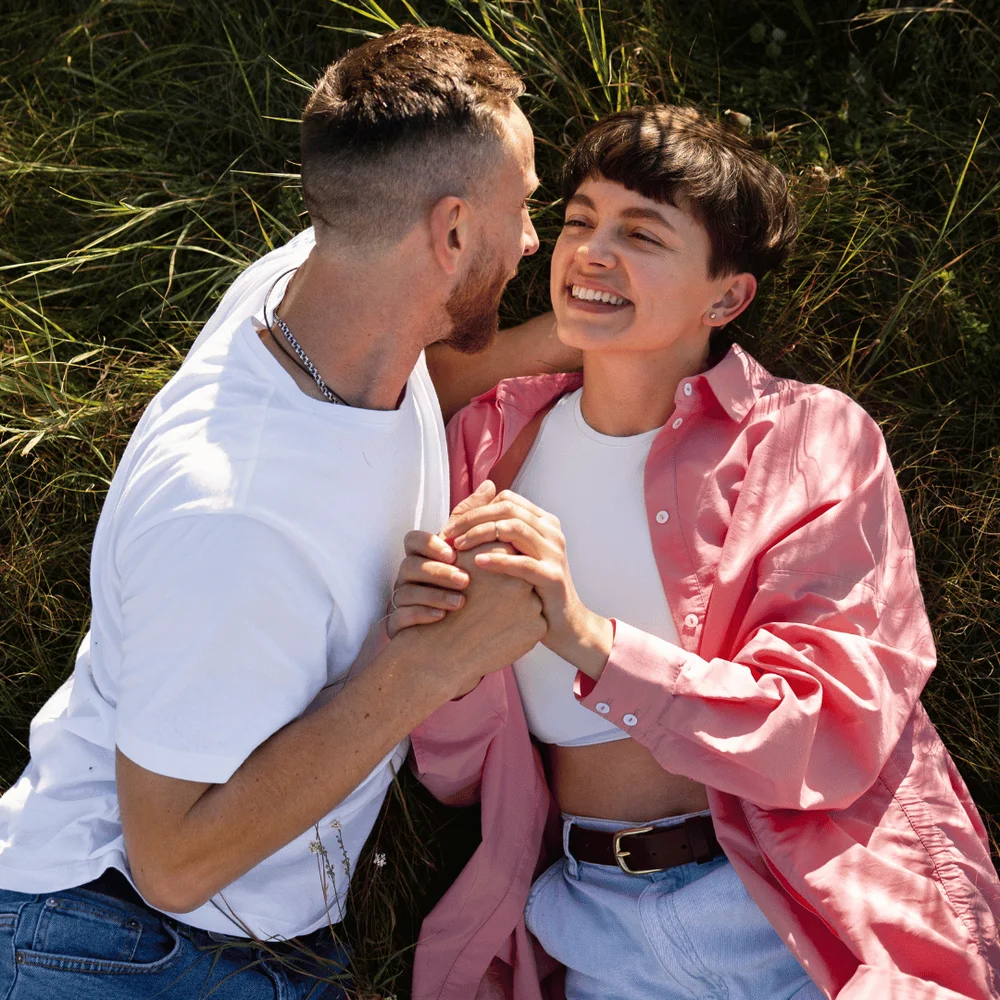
{"points": [[736, 382]]}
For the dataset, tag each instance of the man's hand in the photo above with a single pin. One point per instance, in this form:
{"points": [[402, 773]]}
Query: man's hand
{"points": [[429, 584], [500, 620], [574, 632], [492, 621]]}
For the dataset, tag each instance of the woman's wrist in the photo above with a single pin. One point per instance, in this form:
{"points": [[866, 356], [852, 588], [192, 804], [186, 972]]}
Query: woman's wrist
{"points": [[588, 644]]}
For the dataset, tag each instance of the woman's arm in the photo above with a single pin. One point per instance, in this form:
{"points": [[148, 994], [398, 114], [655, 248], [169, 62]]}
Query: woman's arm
{"points": [[823, 663]]}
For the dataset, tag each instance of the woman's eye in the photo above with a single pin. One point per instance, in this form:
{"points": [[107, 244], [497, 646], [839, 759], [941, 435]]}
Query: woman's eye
{"points": [[574, 222], [648, 239]]}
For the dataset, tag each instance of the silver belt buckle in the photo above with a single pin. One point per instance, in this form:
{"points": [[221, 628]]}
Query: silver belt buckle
{"points": [[621, 855]]}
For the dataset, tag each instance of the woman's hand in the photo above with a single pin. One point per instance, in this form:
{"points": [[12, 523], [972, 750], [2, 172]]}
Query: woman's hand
{"points": [[575, 633]]}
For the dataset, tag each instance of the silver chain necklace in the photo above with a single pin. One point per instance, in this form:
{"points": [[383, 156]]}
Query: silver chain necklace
{"points": [[328, 394]]}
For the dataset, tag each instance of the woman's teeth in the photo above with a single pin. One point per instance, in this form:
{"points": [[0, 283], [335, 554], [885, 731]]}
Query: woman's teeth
{"points": [[593, 295]]}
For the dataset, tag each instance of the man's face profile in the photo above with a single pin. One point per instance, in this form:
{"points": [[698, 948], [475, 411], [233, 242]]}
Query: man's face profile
{"points": [[507, 235]]}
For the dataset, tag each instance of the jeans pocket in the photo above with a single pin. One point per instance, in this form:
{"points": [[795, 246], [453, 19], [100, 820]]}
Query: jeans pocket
{"points": [[673, 934], [87, 932], [552, 872], [85, 929]]}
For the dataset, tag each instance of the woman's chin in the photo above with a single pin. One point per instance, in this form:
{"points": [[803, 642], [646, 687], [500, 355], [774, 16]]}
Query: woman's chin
{"points": [[583, 338], [586, 336]]}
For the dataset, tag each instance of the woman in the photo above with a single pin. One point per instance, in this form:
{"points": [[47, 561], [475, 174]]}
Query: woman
{"points": [[726, 700]]}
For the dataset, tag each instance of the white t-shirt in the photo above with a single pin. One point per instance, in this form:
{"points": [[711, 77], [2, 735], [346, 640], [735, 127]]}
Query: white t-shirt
{"points": [[594, 484], [246, 546]]}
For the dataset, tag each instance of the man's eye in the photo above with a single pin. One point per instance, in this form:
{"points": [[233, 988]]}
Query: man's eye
{"points": [[574, 222]]}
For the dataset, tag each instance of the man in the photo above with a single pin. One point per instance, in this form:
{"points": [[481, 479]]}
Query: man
{"points": [[218, 731]]}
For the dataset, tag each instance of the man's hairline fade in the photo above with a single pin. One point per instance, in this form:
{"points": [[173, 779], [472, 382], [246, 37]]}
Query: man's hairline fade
{"points": [[372, 167]]}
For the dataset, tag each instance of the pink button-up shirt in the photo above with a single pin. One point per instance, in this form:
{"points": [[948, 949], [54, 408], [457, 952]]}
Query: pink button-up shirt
{"points": [[793, 695]]}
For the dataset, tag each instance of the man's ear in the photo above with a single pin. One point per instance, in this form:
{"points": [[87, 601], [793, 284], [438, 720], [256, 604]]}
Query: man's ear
{"points": [[737, 295], [450, 220]]}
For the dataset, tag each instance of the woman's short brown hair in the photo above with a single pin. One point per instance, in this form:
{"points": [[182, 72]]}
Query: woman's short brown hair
{"points": [[398, 123], [677, 154]]}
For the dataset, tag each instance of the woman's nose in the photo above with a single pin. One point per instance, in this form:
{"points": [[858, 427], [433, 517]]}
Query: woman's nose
{"points": [[595, 251]]}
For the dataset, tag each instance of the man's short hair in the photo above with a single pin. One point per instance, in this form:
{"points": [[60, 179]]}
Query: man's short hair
{"points": [[668, 154], [398, 123]]}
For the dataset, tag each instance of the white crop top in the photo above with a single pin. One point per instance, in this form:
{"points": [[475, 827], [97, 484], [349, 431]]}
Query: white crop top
{"points": [[594, 484]]}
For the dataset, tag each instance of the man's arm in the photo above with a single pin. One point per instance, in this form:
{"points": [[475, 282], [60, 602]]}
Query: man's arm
{"points": [[199, 809], [529, 349], [186, 840]]}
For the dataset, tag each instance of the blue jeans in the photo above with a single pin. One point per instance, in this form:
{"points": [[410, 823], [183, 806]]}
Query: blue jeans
{"points": [[84, 945], [689, 931]]}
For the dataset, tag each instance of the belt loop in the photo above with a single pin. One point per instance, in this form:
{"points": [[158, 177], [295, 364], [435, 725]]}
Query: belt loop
{"points": [[701, 849], [572, 867]]}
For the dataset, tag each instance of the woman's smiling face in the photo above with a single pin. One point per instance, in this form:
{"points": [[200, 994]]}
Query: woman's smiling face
{"points": [[631, 274]]}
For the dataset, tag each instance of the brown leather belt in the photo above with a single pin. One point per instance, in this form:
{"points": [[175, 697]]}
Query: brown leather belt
{"points": [[642, 850]]}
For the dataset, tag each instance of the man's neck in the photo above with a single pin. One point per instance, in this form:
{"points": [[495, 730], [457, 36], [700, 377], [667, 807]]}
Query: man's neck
{"points": [[355, 325], [629, 393]]}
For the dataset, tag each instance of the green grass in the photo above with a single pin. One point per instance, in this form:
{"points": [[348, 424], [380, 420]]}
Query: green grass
{"points": [[148, 153]]}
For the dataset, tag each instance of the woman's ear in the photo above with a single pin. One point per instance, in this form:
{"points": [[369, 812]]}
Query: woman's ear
{"points": [[738, 294]]}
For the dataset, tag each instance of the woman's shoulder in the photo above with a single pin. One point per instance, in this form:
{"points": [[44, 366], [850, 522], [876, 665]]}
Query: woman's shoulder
{"points": [[807, 409]]}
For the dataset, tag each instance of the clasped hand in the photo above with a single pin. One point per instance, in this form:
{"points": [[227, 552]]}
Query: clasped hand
{"points": [[430, 583]]}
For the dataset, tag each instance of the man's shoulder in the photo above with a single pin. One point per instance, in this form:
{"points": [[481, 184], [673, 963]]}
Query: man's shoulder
{"points": [[196, 447], [247, 292]]}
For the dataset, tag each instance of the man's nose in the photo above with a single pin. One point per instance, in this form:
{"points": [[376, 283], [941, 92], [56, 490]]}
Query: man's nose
{"points": [[529, 240]]}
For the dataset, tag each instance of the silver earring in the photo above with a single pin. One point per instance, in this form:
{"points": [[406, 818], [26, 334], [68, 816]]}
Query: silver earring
{"points": [[711, 315]]}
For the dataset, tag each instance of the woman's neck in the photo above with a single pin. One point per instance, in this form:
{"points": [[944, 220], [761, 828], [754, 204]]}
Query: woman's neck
{"points": [[631, 393]]}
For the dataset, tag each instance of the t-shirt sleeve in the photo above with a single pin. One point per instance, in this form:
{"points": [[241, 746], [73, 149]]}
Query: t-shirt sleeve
{"points": [[224, 641]]}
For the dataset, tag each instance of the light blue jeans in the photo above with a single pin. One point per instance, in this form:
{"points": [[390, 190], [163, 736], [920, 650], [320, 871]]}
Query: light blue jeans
{"points": [[691, 931], [84, 945]]}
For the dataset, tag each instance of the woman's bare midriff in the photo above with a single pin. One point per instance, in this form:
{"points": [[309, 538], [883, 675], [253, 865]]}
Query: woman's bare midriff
{"points": [[619, 780]]}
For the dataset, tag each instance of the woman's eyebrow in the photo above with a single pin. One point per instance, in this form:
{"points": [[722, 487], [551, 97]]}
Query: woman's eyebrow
{"points": [[648, 213], [583, 200], [637, 212]]}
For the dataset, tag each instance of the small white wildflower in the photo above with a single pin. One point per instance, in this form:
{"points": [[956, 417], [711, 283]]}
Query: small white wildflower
{"points": [[335, 824], [779, 35], [379, 860], [315, 847]]}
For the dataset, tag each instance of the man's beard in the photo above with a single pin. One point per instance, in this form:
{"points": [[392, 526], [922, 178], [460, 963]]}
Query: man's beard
{"points": [[474, 307]]}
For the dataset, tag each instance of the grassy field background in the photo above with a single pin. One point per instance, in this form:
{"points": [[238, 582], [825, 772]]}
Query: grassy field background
{"points": [[148, 153]]}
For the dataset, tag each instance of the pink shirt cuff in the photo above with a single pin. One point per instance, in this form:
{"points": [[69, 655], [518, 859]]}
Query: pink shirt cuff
{"points": [[637, 684]]}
